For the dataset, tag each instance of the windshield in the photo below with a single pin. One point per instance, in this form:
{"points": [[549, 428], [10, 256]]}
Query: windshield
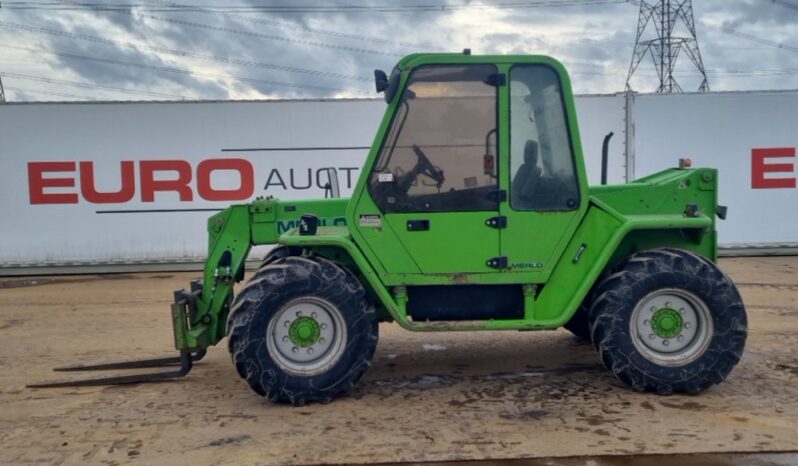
{"points": [[439, 153]]}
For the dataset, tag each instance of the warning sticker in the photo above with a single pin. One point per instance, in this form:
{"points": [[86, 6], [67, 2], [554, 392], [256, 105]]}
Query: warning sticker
{"points": [[385, 177], [370, 221]]}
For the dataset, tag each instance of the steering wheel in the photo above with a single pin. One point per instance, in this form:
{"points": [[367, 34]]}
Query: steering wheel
{"points": [[423, 166], [426, 167]]}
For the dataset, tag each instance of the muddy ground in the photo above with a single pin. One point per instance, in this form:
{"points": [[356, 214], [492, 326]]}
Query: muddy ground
{"points": [[428, 397]]}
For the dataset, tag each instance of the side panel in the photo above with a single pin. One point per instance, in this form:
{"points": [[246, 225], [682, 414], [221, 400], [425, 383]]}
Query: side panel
{"points": [[455, 242], [582, 261], [376, 234], [667, 192], [272, 218]]}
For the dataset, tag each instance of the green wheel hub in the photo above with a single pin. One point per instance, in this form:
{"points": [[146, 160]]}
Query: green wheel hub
{"points": [[671, 326], [667, 323], [304, 332], [306, 336]]}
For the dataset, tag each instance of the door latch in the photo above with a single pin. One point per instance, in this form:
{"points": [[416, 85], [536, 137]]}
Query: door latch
{"points": [[497, 262], [497, 222]]}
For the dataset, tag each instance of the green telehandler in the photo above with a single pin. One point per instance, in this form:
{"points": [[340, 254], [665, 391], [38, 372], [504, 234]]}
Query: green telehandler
{"points": [[473, 212]]}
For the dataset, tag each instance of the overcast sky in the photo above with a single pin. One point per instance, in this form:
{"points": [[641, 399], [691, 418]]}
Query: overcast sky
{"points": [[159, 49]]}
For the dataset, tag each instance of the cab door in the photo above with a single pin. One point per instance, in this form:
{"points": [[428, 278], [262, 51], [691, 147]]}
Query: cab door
{"points": [[545, 201], [434, 184]]}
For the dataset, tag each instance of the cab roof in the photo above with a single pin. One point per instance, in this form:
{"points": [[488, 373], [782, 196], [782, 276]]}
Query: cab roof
{"points": [[418, 59]]}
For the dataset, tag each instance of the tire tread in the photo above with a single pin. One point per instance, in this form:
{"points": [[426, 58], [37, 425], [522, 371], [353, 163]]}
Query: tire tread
{"points": [[283, 276], [611, 309]]}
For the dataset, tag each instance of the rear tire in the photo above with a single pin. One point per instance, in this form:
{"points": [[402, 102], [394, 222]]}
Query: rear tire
{"points": [[668, 321], [301, 330]]}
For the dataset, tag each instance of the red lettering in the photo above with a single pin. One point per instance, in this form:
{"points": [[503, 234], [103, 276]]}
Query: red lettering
{"points": [[149, 185], [759, 168], [154, 176], [88, 188], [37, 182], [245, 189]]}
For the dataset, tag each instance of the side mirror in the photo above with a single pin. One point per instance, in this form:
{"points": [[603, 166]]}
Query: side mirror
{"points": [[331, 188], [380, 80]]}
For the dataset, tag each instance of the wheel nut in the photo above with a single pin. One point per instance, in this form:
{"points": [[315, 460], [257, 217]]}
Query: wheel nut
{"points": [[287, 324], [321, 340], [323, 326], [285, 338], [651, 336], [687, 325], [681, 311], [646, 322], [310, 350], [653, 308], [294, 349], [666, 342], [299, 313], [314, 315], [680, 337]]}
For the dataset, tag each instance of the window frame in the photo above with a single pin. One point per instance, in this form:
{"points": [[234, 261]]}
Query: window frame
{"points": [[566, 116], [395, 115]]}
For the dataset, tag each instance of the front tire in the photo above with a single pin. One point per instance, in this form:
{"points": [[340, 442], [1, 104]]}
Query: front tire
{"points": [[668, 321], [301, 330]]}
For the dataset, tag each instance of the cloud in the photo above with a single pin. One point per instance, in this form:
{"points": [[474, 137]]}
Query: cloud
{"points": [[322, 55]]}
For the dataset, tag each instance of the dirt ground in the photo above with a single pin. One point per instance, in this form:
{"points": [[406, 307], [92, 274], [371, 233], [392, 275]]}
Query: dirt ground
{"points": [[428, 397]]}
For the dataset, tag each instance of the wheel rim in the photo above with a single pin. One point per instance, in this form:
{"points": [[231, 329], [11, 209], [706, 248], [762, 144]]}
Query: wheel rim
{"points": [[671, 326], [306, 336]]}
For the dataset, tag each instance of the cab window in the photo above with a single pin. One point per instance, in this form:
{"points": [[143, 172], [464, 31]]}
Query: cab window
{"points": [[542, 171], [439, 154]]}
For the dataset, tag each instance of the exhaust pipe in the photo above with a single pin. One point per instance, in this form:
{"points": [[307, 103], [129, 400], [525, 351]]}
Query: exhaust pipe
{"points": [[605, 148]]}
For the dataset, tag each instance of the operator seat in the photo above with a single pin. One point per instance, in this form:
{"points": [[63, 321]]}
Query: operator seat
{"points": [[526, 180]]}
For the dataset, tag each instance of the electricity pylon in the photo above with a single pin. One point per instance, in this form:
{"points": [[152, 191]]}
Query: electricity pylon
{"points": [[665, 49]]}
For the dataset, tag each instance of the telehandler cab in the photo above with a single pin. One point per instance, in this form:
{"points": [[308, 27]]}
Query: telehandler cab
{"points": [[473, 212]]}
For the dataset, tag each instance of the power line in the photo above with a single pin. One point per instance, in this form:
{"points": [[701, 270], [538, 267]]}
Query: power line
{"points": [[734, 73], [181, 53], [57, 94], [230, 12], [86, 85], [229, 30], [172, 7], [758, 40], [172, 69], [19, 5], [296, 27]]}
